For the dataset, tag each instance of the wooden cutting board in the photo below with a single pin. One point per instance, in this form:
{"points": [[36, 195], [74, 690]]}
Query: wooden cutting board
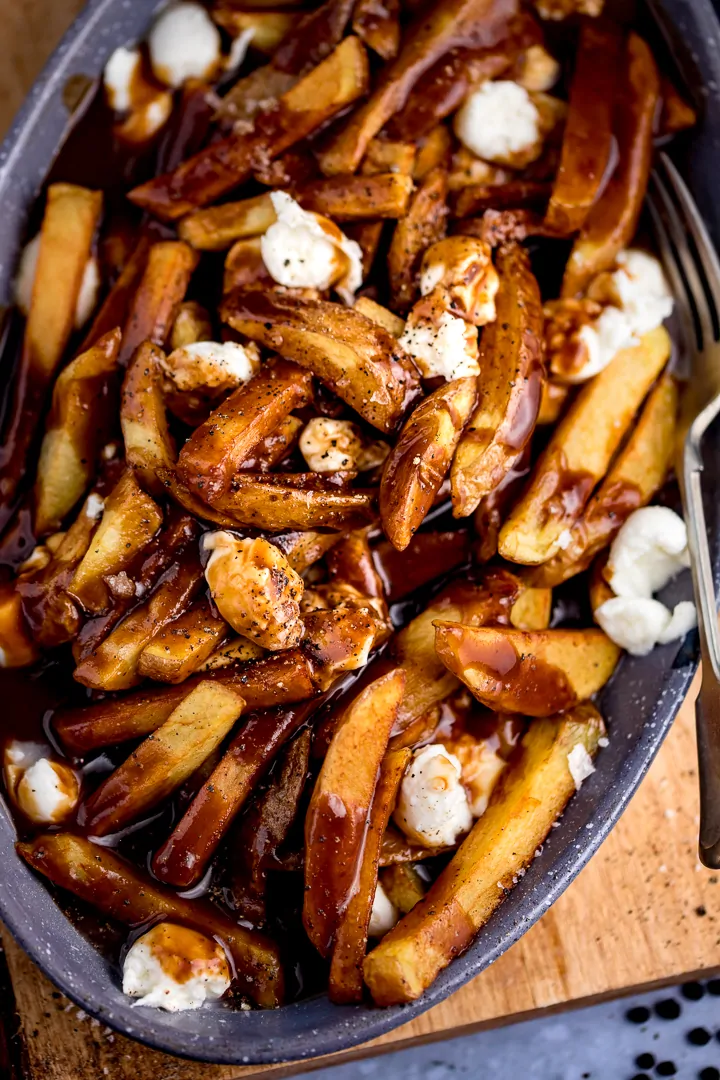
{"points": [[643, 913]]}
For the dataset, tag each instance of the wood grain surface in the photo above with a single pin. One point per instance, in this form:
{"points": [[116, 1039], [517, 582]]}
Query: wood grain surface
{"points": [[644, 912]]}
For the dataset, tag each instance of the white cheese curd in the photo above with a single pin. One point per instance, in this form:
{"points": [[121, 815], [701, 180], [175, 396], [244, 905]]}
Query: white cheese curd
{"points": [[19, 755], [238, 50], [94, 507], [47, 792], [635, 623], [302, 250], [121, 72], [174, 968], [647, 553], [384, 914], [580, 765], [432, 807], [25, 282], [212, 364], [603, 340], [683, 620], [446, 346], [184, 43], [497, 120]]}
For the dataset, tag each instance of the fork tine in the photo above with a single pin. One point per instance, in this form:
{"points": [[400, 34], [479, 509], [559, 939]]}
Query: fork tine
{"points": [[696, 227], [677, 282], [686, 260]]}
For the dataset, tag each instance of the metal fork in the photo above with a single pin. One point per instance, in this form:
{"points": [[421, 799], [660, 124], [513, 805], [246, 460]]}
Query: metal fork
{"points": [[693, 269]]}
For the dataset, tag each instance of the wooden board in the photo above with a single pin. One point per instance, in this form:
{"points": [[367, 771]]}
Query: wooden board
{"points": [[644, 912]]}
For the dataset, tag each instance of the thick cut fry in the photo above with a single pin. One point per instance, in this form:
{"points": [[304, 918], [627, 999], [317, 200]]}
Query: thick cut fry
{"points": [[587, 146], [381, 315], [580, 451], [449, 23], [271, 450], [531, 794], [536, 673], [148, 443], [211, 457], [434, 152], [78, 424], [613, 220], [337, 818], [119, 890], [264, 828], [389, 155], [114, 664], [162, 288], [632, 481], [377, 22], [130, 520], [274, 680], [509, 387], [217, 227], [269, 27], [477, 198], [420, 459], [303, 548], [354, 356], [315, 36], [428, 556], [351, 562], [164, 760], [183, 858], [368, 235], [236, 651], [114, 309], [359, 198], [265, 501], [17, 648], [68, 228], [423, 225], [532, 609], [183, 645], [245, 267], [340, 640], [256, 93], [324, 91], [403, 885], [552, 402], [346, 977]]}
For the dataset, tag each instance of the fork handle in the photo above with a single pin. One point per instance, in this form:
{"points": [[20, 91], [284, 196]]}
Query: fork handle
{"points": [[707, 717]]}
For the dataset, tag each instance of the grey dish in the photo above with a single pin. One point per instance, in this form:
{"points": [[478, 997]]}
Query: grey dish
{"points": [[639, 704]]}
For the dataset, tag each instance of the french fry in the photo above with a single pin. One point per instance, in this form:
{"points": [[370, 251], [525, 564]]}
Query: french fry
{"points": [[148, 443], [274, 680], [403, 885], [434, 152], [119, 890], [381, 315], [389, 155], [17, 648], [614, 217], [580, 451], [351, 935], [303, 548], [182, 646], [244, 266], [598, 589], [511, 363], [477, 198], [428, 556], [340, 640], [497, 227], [355, 357], [536, 673], [422, 226], [211, 457], [316, 98], [532, 609], [217, 227], [588, 137], [531, 794], [271, 450], [359, 198], [552, 402], [318, 32], [236, 651], [634, 478], [68, 228], [337, 818], [397, 850], [164, 760], [351, 562], [264, 828], [368, 235], [269, 27], [252, 95], [431, 35], [274, 503], [378, 25], [421, 458], [113, 665], [129, 522], [114, 309], [183, 858], [78, 424], [162, 288]]}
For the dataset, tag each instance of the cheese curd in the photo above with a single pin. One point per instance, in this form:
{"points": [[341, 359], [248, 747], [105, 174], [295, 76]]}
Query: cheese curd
{"points": [[302, 250], [255, 589], [212, 365], [459, 273], [25, 281], [499, 121], [481, 769], [638, 624], [441, 344], [336, 445], [580, 765], [45, 790], [384, 914], [121, 73], [432, 807], [184, 43], [174, 968]]}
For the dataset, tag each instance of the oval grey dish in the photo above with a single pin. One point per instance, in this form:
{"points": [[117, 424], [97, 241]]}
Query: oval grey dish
{"points": [[640, 703]]}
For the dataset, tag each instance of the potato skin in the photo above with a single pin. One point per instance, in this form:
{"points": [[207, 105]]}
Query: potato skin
{"points": [[421, 458]]}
